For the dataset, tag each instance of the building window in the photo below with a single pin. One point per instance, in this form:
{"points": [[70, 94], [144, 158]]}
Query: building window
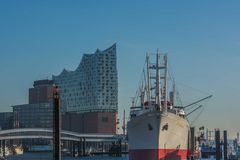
{"points": [[105, 119]]}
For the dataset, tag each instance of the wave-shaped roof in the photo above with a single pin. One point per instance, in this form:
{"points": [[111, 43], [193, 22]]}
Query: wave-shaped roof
{"points": [[111, 49]]}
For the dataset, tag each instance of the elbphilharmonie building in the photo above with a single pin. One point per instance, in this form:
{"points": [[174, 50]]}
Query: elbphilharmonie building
{"points": [[93, 86]]}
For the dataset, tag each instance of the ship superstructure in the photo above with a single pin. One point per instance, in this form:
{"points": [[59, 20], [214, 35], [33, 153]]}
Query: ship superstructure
{"points": [[157, 130]]}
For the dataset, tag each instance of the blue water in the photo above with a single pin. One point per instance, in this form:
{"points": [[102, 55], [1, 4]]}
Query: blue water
{"points": [[48, 156]]}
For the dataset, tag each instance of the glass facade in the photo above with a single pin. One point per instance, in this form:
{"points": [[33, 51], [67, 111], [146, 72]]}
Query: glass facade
{"points": [[33, 115], [6, 120], [93, 86]]}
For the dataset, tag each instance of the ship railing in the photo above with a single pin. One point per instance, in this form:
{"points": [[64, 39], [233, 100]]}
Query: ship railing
{"points": [[136, 111]]}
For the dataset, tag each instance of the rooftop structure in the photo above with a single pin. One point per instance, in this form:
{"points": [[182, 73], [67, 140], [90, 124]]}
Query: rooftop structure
{"points": [[41, 92]]}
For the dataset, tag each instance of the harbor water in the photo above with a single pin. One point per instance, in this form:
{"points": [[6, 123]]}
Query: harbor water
{"points": [[48, 156]]}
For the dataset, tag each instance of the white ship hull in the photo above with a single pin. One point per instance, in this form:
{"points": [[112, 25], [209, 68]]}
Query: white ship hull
{"points": [[157, 136]]}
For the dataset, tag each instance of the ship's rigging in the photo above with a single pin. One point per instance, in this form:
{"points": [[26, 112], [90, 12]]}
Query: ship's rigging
{"points": [[153, 89]]}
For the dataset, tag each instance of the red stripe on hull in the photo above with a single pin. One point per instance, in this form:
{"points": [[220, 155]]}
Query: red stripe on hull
{"points": [[158, 154]]}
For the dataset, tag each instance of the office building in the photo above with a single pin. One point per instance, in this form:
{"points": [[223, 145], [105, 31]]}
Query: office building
{"points": [[39, 112], [6, 120], [37, 115]]}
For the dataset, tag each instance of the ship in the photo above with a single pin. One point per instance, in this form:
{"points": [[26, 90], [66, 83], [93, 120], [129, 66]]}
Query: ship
{"points": [[157, 129]]}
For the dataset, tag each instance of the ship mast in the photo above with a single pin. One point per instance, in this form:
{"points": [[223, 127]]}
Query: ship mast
{"points": [[148, 81], [165, 81], [124, 123], [174, 93], [158, 90]]}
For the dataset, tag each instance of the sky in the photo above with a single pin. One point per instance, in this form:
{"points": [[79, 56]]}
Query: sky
{"points": [[202, 39]]}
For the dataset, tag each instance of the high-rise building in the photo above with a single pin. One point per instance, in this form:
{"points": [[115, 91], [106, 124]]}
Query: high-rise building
{"points": [[93, 86], [42, 92], [39, 112]]}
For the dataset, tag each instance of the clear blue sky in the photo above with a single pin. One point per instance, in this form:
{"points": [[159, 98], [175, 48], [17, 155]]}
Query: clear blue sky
{"points": [[40, 38]]}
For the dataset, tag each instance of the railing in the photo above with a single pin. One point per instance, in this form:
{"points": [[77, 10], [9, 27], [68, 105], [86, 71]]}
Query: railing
{"points": [[26, 133]]}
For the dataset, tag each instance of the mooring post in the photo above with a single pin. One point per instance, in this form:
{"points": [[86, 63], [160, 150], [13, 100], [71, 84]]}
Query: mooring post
{"points": [[192, 139], [217, 139], [120, 147], [56, 124], [4, 147], [225, 145]]}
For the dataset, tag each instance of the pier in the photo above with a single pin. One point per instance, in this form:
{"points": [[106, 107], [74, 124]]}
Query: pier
{"points": [[75, 141]]}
